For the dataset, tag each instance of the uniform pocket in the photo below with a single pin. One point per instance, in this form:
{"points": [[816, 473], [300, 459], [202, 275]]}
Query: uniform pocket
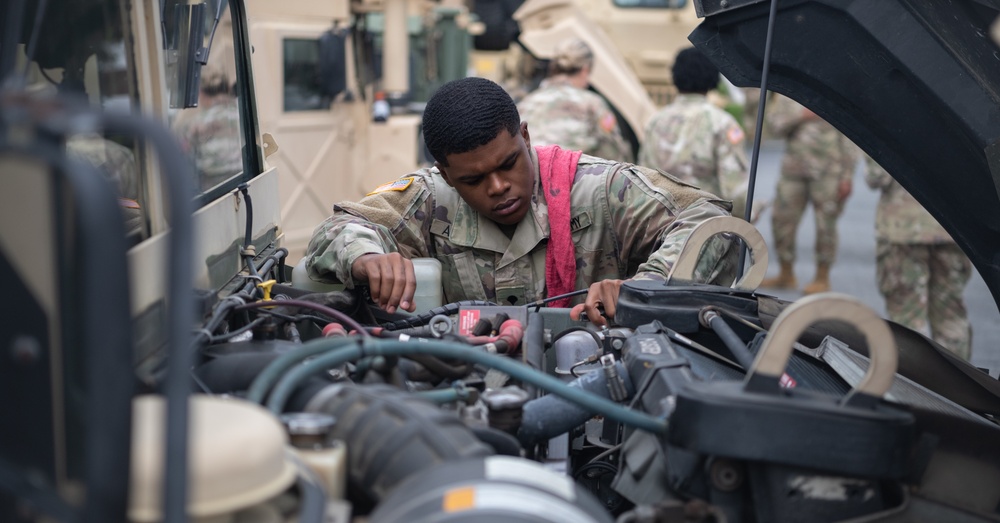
{"points": [[462, 279]]}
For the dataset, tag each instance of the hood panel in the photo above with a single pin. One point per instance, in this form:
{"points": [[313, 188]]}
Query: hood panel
{"points": [[915, 83]]}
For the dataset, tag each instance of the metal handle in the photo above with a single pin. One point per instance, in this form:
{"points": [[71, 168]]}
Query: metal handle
{"points": [[687, 260], [793, 321]]}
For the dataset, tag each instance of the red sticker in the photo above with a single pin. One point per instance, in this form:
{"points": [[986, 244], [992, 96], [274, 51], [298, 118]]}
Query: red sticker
{"points": [[467, 320]]}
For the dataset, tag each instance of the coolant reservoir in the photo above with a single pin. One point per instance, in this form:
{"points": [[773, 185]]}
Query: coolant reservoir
{"points": [[429, 294], [237, 458], [426, 270]]}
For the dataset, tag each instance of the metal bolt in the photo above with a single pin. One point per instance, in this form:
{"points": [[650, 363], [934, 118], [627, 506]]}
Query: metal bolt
{"points": [[725, 474]]}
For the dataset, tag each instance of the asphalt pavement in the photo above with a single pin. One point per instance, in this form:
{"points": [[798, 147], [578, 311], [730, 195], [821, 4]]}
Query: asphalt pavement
{"points": [[854, 271]]}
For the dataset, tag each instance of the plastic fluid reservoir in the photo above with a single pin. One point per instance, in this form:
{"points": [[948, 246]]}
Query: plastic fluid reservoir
{"points": [[428, 294], [426, 270]]}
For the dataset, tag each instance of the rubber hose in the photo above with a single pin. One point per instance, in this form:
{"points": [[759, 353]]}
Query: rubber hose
{"points": [[549, 416], [262, 383], [377, 347]]}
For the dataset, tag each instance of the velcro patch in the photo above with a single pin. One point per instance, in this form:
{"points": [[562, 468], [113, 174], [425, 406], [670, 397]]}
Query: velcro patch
{"points": [[399, 185], [580, 221], [440, 228], [735, 134]]}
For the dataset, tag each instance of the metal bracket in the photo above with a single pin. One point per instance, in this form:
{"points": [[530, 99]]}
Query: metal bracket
{"points": [[793, 321], [688, 259]]}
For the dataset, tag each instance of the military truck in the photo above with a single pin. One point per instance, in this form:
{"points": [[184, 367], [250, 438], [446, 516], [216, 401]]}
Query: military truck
{"points": [[156, 366]]}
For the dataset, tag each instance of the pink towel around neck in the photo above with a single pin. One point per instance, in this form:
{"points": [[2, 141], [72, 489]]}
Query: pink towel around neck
{"points": [[557, 168]]}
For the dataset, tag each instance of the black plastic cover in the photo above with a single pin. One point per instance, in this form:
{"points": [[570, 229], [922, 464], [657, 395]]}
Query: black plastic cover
{"points": [[915, 83], [641, 302]]}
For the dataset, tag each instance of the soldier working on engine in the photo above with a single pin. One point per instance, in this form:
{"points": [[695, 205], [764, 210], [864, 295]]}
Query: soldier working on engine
{"points": [[514, 223]]}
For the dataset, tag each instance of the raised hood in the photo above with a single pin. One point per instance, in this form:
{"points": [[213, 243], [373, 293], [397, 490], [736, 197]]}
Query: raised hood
{"points": [[915, 83]]}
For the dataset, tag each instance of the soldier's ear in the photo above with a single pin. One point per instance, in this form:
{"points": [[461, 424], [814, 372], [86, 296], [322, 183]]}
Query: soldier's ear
{"points": [[524, 134], [444, 173]]}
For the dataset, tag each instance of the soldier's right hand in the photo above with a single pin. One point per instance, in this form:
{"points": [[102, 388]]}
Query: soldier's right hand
{"points": [[390, 278]]}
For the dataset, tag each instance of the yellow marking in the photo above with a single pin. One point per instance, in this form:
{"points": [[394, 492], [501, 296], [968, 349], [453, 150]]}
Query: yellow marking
{"points": [[266, 286], [398, 185], [457, 500]]}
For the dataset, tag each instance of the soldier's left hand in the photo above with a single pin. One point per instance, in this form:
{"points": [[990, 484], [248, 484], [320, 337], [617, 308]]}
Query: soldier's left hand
{"points": [[844, 190], [602, 299]]}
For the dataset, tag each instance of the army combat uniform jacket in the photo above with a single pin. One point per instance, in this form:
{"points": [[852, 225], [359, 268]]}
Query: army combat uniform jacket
{"points": [[699, 143], [559, 113], [814, 148], [625, 220], [899, 217]]}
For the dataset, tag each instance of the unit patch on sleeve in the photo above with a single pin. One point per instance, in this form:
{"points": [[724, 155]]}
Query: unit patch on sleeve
{"points": [[735, 135], [398, 185]]}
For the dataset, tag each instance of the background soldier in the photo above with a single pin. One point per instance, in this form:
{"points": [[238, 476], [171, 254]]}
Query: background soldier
{"points": [[210, 133], [563, 112], [921, 272], [818, 168], [693, 139]]}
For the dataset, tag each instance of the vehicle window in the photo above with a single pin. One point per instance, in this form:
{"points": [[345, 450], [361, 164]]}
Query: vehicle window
{"points": [[302, 90], [204, 100], [82, 52]]}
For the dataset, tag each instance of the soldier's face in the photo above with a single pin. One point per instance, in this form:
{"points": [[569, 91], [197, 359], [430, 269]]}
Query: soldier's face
{"points": [[495, 179]]}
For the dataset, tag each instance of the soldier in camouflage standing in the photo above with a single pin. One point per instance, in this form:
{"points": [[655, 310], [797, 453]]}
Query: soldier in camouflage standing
{"points": [[818, 168], [693, 139], [512, 223], [563, 112], [921, 272], [210, 133]]}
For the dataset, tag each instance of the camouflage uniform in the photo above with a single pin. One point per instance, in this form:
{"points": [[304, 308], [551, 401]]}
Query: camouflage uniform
{"points": [[699, 143], [921, 271], [559, 113], [117, 162], [817, 159], [625, 220], [211, 135]]}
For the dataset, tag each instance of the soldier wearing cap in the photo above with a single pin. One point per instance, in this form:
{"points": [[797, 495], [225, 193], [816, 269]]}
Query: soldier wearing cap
{"points": [[563, 112], [921, 271], [693, 139], [513, 223]]}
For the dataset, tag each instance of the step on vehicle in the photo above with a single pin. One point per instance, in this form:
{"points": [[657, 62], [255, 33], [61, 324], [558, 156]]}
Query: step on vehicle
{"points": [[157, 364]]}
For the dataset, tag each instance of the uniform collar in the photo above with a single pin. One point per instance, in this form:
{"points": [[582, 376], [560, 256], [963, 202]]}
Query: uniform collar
{"points": [[689, 98], [560, 80], [471, 229]]}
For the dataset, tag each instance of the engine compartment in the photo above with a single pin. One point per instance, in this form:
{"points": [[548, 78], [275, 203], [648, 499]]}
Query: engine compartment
{"points": [[671, 415]]}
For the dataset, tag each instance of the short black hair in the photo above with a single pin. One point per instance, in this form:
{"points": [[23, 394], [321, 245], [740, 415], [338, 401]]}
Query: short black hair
{"points": [[693, 72], [465, 114]]}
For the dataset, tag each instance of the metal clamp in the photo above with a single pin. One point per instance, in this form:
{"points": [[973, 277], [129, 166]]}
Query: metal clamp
{"points": [[687, 260], [793, 321]]}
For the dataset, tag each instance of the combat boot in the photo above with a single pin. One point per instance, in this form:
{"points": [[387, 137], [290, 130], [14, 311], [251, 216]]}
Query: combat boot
{"points": [[784, 280], [822, 281]]}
